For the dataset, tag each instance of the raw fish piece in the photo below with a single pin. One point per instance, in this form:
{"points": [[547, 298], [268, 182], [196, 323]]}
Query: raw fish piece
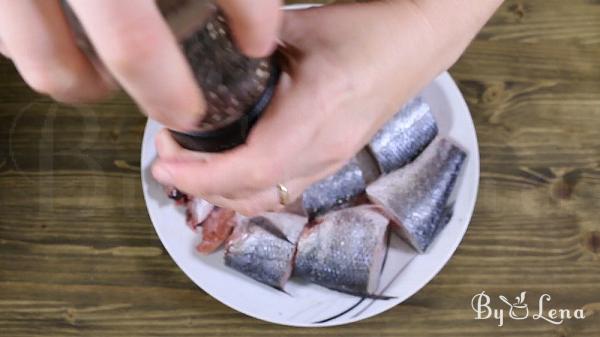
{"points": [[216, 229], [344, 250], [197, 211], [263, 247], [404, 137], [415, 197], [335, 190]]}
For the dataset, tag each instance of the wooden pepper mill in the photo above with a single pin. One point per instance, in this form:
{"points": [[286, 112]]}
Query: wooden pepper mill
{"points": [[236, 88]]}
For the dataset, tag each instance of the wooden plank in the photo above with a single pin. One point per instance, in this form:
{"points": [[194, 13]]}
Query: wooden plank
{"points": [[78, 255]]}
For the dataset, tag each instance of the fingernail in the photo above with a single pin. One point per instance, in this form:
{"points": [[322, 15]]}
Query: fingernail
{"points": [[162, 174]]}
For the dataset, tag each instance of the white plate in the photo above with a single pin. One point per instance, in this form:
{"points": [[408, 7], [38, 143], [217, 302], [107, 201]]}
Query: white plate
{"points": [[309, 304]]}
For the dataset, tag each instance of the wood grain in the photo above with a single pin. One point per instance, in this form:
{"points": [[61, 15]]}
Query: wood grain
{"points": [[79, 257]]}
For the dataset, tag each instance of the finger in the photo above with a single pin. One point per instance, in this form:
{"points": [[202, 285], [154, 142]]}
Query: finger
{"points": [[169, 150], [37, 37], [269, 200], [248, 208], [237, 173], [254, 24], [266, 200], [220, 201], [252, 206], [221, 175], [136, 45]]}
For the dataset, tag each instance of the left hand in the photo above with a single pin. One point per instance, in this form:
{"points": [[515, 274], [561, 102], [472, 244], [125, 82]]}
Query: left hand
{"points": [[137, 49], [349, 69]]}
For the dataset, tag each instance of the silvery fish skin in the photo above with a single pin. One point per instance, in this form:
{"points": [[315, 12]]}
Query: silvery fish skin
{"points": [[335, 190], [415, 197], [403, 138], [263, 247], [344, 250]]}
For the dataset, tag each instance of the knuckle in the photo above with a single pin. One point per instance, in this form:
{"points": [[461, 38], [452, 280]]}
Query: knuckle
{"points": [[52, 80], [40, 82]]}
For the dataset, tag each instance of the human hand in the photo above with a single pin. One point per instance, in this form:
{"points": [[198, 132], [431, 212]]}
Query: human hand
{"points": [[135, 45], [342, 81]]}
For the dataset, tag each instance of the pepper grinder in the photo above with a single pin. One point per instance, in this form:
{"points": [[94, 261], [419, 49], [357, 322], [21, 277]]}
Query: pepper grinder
{"points": [[236, 88]]}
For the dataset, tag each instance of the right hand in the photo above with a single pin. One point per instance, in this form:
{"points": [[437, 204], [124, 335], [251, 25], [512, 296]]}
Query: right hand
{"points": [[134, 43]]}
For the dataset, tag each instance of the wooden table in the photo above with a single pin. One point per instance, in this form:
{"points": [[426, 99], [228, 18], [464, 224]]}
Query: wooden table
{"points": [[79, 256]]}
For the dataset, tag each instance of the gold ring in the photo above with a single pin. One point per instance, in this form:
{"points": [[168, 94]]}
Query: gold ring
{"points": [[283, 194]]}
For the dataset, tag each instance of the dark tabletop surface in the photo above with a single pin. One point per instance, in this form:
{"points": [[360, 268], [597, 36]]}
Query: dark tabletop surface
{"points": [[79, 256]]}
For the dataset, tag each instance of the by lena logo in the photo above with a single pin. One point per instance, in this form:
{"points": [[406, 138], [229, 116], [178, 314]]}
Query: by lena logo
{"points": [[519, 309]]}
